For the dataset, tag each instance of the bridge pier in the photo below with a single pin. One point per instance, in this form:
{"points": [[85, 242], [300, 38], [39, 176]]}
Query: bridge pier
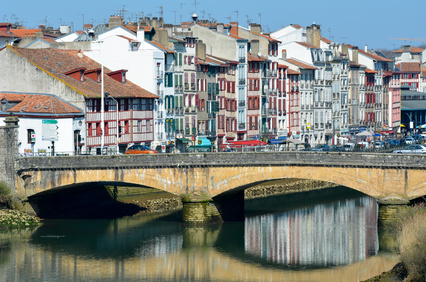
{"points": [[202, 209]]}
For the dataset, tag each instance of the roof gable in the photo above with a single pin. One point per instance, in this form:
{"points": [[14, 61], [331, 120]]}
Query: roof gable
{"points": [[61, 63]]}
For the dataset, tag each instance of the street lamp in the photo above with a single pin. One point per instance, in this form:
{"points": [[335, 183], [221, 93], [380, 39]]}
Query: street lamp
{"points": [[107, 96], [411, 122]]}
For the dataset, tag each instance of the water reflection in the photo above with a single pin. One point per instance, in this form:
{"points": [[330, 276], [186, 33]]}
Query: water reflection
{"points": [[316, 236], [295, 245]]}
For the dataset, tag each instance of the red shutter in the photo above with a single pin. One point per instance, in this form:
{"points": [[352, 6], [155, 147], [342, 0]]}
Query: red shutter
{"points": [[197, 100]]}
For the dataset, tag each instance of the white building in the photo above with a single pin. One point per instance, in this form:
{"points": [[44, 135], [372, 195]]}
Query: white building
{"points": [[46, 123]]}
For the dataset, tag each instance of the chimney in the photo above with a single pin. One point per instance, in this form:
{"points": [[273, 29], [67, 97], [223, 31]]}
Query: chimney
{"points": [[161, 37], [140, 35], [114, 21], [254, 47], [284, 54], [313, 35], [355, 54], [219, 28], [38, 34], [200, 50], [234, 28], [344, 48], [154, 22], [256, 28], [407, 48], [366, 48]]}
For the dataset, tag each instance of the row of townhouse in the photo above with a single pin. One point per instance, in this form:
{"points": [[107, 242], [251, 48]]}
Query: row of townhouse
{"points": [[232, 83]]}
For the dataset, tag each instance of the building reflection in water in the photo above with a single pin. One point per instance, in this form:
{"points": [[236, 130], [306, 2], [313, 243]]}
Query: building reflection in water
{"points": [[323, 235]]}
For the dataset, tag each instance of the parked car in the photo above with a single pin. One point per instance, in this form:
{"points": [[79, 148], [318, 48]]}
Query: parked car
{"points": [[139, 149], [322, 148], [412, 149], [409, 140], [379, 144], [349, 147], [394, 142]]}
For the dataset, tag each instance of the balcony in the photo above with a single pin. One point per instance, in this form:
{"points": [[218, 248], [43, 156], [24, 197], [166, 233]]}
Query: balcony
{"points": [[160, 74], [160, 94]]}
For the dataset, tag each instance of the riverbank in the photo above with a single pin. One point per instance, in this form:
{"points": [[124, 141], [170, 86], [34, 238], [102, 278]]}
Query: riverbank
{"points": [[153, 201], [14, 219]]}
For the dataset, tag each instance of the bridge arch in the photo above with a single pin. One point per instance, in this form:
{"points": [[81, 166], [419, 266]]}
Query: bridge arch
{"points": [[382, 184]]}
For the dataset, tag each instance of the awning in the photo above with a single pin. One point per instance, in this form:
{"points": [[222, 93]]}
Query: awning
{"points": [[276, 141], [184, 140]]}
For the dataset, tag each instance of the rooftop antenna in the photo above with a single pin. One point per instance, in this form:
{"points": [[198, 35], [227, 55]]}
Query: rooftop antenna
{"points": [[248, 20], [82, 28], [161, 11], [181, 4], [237, 15], [203, 12], [123, 12], [260, 18], [175, 16], [228, 18], [195, 6]]}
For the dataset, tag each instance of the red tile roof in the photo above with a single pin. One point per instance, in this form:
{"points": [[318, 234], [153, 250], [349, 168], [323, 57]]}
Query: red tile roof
{"points": [[127, 38], [307, 45], [412, 50], [326, 40], [375, 57], [162, 47], [252, 58], [280, 66], [7, 34], [301, 64], [297, 26], [290, 71], [211, 60], [367, 70], [409, 67], [25, 32], [57, 62], [39, 103]]}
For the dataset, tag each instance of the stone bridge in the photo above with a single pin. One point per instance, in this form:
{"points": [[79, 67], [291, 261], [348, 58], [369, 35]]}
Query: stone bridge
{"points": [[386, 177], [218, 177]]}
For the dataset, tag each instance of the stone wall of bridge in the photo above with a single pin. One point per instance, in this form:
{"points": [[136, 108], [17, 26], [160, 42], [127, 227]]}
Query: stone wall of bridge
{"points": [[387, 177], [9, 150]]}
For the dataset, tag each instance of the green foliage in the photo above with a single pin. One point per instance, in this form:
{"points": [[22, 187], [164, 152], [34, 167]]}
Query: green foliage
{"points": [[6, 200]]}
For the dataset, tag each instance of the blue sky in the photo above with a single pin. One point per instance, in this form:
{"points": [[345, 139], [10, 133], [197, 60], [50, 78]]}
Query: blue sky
{"points": [[359, 23]]}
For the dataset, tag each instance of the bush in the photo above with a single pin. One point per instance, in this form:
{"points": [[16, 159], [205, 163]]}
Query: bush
{"points": [[412, 244], [6, 201]]}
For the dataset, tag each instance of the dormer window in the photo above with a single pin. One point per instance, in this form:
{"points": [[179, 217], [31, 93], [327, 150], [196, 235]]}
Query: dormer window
{"points": [[94, 75], [76, 74], [119, 75], [134, 45], [190, 42]]}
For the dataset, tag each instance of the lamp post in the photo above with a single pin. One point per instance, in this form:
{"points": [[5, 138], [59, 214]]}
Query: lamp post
{"points": [[102, 110], [411, 122], [107, 96]]}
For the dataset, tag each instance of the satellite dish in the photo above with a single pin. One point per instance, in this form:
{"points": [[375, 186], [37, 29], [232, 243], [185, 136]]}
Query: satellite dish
{"points": [[259, 54]]}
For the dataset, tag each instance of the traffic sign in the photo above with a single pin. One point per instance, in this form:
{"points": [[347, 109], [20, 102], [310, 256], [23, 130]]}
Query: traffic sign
{"points": [[49, 130]]}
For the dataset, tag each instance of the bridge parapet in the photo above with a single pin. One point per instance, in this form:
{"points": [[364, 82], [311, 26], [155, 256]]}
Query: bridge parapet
{"points": [[324, 159]]}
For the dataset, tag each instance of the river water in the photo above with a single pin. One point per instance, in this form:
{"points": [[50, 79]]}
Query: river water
{"points": [[315, 236]]}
